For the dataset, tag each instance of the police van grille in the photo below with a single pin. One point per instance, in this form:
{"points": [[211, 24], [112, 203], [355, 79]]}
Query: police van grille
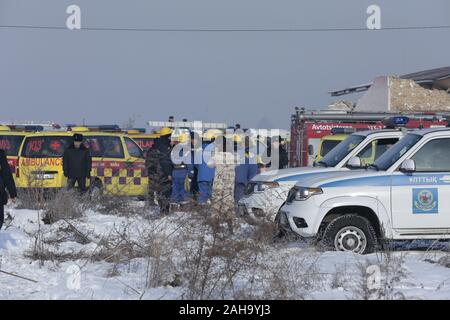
{"points": [[291, 195]]}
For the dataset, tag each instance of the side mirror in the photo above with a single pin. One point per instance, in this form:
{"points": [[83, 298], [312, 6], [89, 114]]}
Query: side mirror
{"points": [[354, 163], [310, 149], [408, 166]]}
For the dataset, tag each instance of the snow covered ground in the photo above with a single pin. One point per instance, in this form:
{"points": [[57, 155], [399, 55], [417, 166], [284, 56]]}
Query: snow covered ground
{"points": [[412, 270]]}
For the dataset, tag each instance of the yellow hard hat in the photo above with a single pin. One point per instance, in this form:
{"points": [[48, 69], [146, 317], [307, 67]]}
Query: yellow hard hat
{"points": [[238, 138], [165, 131], [183, 138], [212, 134]]}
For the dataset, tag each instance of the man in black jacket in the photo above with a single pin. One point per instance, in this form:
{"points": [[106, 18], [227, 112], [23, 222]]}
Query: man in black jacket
{"points": [[6, 183], [77, 163]]}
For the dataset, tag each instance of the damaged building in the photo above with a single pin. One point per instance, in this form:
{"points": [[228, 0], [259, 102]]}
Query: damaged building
{"points": [[425, 91]]}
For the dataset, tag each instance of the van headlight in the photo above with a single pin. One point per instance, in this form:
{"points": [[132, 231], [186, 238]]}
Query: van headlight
{"points": [[304, 193], [263, 186]]}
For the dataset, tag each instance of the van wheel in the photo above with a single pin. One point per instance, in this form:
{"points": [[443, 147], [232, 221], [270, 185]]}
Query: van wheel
{"points": [[96, 189], [351, 233]]}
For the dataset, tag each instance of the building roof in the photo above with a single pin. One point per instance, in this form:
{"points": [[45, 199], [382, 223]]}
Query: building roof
{"points": [[438, 78]]}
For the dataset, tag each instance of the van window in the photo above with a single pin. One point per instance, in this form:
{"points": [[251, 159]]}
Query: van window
{"points": [[433, 156], [394, 153], [381, 146], [11, 144], [341, 150], [145, 143], [133, 148], [327, 146], [105, 146], [45, 147]]}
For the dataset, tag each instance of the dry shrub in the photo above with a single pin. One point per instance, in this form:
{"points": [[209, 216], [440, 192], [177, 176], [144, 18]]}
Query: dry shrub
{"points": [[220, 259], [392, 272], [64, 205], [114, 205], [32, 198]]}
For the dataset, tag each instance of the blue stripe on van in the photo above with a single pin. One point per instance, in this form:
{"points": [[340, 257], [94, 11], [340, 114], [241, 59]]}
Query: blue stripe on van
{"points": [[297, 176], [394, 180]]}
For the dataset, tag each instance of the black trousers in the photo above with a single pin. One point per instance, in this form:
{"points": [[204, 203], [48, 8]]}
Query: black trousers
{"points": [[2, 215], [80, 181]]}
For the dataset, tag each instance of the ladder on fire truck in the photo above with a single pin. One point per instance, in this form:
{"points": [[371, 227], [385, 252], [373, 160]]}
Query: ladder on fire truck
{"points": [[344, 115]]}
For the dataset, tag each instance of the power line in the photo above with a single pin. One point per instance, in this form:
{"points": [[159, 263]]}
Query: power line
{"points": [[223, 29]]}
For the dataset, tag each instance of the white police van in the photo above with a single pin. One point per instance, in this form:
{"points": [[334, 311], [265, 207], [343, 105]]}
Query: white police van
{"points": [[267, 191], [404, 194]]}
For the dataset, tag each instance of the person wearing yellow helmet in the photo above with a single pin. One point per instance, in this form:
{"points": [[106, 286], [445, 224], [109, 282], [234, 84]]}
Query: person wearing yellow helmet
{"points": [[212, 134], [182, 166], [165, 131]]}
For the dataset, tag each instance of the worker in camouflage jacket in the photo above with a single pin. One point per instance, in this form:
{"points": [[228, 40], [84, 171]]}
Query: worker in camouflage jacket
{"points": [[159, 167]]}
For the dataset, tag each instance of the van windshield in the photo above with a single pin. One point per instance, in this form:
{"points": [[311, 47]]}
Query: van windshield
{"points": [[54, 146], [133, 149], [391, 156], [105, 146], [45, 146], [11, 144], [339, 152], [327, 146]]}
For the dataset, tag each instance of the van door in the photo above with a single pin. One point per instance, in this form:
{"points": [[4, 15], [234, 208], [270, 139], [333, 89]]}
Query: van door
{"points": [[136, 170], [108, 162], [421, 200]]}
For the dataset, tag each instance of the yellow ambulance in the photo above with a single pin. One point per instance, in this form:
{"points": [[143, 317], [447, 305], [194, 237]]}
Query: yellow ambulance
{"points": [[144, 140], [327, 143], [118, 164], [10, 141]]}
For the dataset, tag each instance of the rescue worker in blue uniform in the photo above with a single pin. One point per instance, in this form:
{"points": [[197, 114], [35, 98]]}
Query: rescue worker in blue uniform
{"points": [[206, 171], [181, 168], [245, 170]]}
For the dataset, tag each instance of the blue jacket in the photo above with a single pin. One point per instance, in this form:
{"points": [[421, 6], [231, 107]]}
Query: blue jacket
{"points": [[244, 172], [205, 173], [181, 170]]}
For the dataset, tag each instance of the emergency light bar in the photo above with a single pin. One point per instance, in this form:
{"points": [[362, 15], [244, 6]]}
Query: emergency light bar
{"points": [[31, 126], [28, 128], [187, 124], [103, 127], [393, 122], [107, 127], [338, 130], [140, 130]]}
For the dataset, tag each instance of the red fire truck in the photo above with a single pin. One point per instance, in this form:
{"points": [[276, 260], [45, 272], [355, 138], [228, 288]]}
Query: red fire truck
{"points": [[308, 127]]}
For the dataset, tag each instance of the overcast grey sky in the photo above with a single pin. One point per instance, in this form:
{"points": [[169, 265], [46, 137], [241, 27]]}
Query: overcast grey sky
{"points": [[255, 79]]}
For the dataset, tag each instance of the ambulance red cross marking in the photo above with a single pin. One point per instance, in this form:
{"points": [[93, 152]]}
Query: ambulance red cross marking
{"points": [[55, 145]]}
